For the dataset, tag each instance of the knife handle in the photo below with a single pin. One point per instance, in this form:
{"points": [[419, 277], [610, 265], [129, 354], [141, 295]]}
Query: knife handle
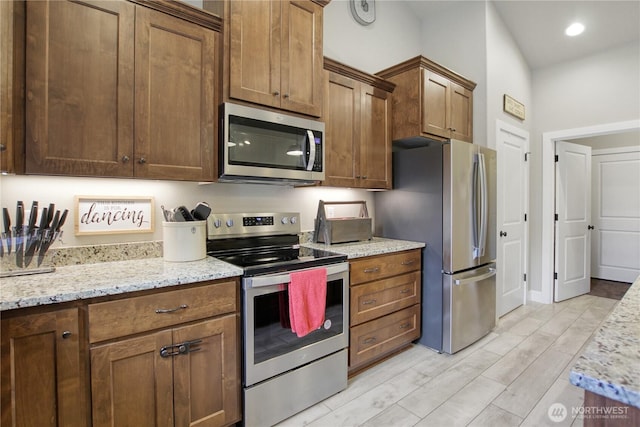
{"points": [[7, 220], [19, 216]]}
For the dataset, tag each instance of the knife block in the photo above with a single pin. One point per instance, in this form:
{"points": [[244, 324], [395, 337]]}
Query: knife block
{"points": [[8, 267]]}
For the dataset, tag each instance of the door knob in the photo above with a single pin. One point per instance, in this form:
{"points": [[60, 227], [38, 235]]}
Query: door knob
{"points": [[503, 233]]}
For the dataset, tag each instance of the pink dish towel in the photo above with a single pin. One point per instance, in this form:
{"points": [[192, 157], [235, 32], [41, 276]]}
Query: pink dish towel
{"points": [[307, 300]]}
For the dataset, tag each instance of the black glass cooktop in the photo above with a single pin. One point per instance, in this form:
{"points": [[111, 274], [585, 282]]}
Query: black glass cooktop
{"points": [[266, 255]]}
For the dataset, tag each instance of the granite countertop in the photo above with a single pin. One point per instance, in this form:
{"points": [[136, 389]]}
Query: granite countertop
{"points": [[96, 279], [75, 282], [375, 246], [610, 364]]}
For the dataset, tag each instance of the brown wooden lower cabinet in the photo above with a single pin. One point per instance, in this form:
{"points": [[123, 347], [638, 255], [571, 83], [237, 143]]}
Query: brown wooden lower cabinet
{"points": [[385, 306], [153, 358], [134, 382], [44, 380], [600, 411]]}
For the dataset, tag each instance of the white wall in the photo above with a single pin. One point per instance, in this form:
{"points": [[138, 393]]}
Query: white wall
{"points": [[595, 90], [507, 73], [392, 38], [455, 37]]}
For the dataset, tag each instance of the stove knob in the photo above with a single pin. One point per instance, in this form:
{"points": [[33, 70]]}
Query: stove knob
{"points": [[217, 223], [229, 223], [294, 220], [285, 220]]}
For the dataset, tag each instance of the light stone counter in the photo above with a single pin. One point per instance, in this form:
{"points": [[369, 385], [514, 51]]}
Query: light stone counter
{"points": [[95, 279], [376, 246], [610, 364], [75, 282]]}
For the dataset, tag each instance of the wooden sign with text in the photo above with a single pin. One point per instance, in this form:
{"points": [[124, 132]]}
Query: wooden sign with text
{"points": [[113, 215]]}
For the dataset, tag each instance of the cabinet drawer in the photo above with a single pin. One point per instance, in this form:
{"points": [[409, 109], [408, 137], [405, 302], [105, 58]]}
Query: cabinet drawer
{"points": [[376, 299], [376, 338], [377, 267], [128, 316]]}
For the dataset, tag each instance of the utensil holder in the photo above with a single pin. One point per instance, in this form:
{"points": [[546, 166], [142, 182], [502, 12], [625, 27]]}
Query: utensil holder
{"points": [[184, 241], [343, 229]]}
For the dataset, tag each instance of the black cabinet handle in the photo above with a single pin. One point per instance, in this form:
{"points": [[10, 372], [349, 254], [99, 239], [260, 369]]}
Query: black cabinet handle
{"points": [[590, 227], [66, 334], [503, 233]]}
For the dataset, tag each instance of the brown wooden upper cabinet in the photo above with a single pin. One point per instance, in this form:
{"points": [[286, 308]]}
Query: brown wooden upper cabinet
{"points": [[117, 89], [273, 53], [11, 87], [357, 116], [430, 101]]}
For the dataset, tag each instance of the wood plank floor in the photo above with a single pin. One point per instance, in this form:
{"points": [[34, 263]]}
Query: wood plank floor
{"points": [[509, 378]]}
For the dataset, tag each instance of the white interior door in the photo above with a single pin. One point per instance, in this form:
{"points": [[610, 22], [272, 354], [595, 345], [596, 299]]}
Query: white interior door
{"points": [[615, 248], [512, 200], [573, 224]]}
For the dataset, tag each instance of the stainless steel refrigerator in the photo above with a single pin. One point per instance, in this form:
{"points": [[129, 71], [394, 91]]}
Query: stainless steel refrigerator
{"points": [[444, 194]]}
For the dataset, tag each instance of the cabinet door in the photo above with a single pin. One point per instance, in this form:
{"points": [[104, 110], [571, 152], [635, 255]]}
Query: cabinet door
{"points": [[254, 38], [175, 101], [435, 104], [461, 113], [301, 55], [207, 379], [43, 380], [131, 383], [375, 140], [79, 88], [342, 130]]}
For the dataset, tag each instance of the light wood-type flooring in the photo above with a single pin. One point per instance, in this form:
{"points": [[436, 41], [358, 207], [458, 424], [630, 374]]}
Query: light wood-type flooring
{"points": [[509, 378]]}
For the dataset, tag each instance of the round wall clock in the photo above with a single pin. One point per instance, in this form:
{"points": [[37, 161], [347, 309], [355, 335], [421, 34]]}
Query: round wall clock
{"points": [[363, 11]]}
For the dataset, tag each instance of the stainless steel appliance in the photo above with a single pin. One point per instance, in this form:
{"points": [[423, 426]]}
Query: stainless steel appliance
{"points": [[268, 147], [282, 373], [444, 195]]}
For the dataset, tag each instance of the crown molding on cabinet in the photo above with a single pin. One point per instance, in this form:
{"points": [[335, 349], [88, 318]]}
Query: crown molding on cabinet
{"points": [[345, 70], [431, 65]]}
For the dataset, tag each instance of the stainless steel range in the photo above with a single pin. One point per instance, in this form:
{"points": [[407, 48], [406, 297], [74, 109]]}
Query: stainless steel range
{"points": [[282, 373]]}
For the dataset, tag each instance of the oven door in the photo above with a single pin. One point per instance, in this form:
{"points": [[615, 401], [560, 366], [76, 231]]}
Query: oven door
{"points": [[270, 347]]}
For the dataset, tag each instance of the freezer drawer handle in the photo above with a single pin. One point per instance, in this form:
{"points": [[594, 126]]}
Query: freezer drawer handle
{"points": [[372, 270], [492, 272]]}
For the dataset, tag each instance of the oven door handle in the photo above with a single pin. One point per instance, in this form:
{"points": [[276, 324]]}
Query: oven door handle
{"points": [[279, 279]]}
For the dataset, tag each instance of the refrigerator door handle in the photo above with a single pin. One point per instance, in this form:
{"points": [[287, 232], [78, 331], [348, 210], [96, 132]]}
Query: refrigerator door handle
{"points": [[490, 273], [483, 205], [479, 206]]}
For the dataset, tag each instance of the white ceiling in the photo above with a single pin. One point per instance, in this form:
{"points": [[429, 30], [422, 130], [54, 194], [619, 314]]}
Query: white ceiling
{"points": [[538, 26]]}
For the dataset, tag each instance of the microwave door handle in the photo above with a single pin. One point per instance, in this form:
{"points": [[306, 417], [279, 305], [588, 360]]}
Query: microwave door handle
{"points": [[312, 150]]}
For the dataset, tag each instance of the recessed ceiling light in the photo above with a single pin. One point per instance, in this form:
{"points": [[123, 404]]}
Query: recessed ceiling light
{"points": [[574, 29]]}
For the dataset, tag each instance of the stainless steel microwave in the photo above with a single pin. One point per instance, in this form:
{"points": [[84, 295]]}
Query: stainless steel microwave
{"points": [[269, 147]]}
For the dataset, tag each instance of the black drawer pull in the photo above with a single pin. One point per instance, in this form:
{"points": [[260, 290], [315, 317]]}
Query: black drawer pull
{"points": [[405, 325], [405, 291], [370, 340]]}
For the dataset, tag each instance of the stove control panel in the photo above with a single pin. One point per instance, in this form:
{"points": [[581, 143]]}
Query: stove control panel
{"points": [[252, 224]]}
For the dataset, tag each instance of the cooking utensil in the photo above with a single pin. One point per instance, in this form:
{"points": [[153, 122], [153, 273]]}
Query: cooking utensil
{"points": [[19, 233], [181, 214], [201, 211]]}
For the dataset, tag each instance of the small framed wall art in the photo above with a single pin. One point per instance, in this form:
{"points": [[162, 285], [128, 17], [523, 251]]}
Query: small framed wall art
{"points": [[113, 215], [513, 107]]}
